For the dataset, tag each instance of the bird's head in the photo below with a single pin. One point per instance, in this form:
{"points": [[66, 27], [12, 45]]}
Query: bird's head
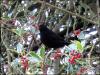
{"points": [[43, 28], [40, 26]]}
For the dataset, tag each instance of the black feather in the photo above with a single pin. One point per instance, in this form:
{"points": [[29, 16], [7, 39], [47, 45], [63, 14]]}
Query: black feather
{"points": [[51, 39]]}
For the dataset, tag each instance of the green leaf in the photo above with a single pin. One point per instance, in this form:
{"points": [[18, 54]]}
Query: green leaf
{"points": [[6, 17], [33, 54], [79, 46], [42, 52], [80, 62], [19, 31]]}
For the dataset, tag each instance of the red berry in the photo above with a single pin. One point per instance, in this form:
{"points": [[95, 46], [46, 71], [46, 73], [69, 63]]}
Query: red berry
{"points": [[78, 73], [82, 69], [32, 17], [24, 62], [77, 32], [59, 54], [54, 57], [72, 52], [75, 57], [69, 60], [72, 61], [79, 55]]}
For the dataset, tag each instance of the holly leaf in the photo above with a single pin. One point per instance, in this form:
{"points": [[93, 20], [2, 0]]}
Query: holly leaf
{"points": [[33, 54], [19, 31], [72, 47], [42, 52], [81, 62], [79, 46]]}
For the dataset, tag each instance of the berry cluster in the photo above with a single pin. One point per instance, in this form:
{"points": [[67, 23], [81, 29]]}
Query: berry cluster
{"points": [[73, 56], [77, 32], [81, 70], [24, 62], [56, 55]]}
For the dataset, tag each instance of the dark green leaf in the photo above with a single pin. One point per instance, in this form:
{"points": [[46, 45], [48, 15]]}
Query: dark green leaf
{"points": [[20, 14]]}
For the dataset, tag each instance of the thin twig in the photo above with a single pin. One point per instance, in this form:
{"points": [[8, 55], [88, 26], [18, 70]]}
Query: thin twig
{"points": [[7, 50], [74, 14], [89, 54], [4, 22], [98, 16]]}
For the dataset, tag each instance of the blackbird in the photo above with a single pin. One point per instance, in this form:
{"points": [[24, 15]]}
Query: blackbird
{"points": [[51, 39]]}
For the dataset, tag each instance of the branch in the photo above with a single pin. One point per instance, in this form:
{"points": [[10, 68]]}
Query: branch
{"points": [[89, 54], [71, 13], [8, 55], [98, 13]]}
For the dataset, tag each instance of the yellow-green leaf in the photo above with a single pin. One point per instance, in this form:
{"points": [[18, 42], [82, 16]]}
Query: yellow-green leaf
{"points": [[79, 46]]}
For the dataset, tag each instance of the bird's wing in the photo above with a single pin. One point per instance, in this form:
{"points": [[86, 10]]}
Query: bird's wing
{"points": [[53, 36]]}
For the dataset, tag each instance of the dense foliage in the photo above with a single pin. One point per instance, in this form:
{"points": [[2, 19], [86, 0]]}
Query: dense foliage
{"points": [[76, 21]]}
